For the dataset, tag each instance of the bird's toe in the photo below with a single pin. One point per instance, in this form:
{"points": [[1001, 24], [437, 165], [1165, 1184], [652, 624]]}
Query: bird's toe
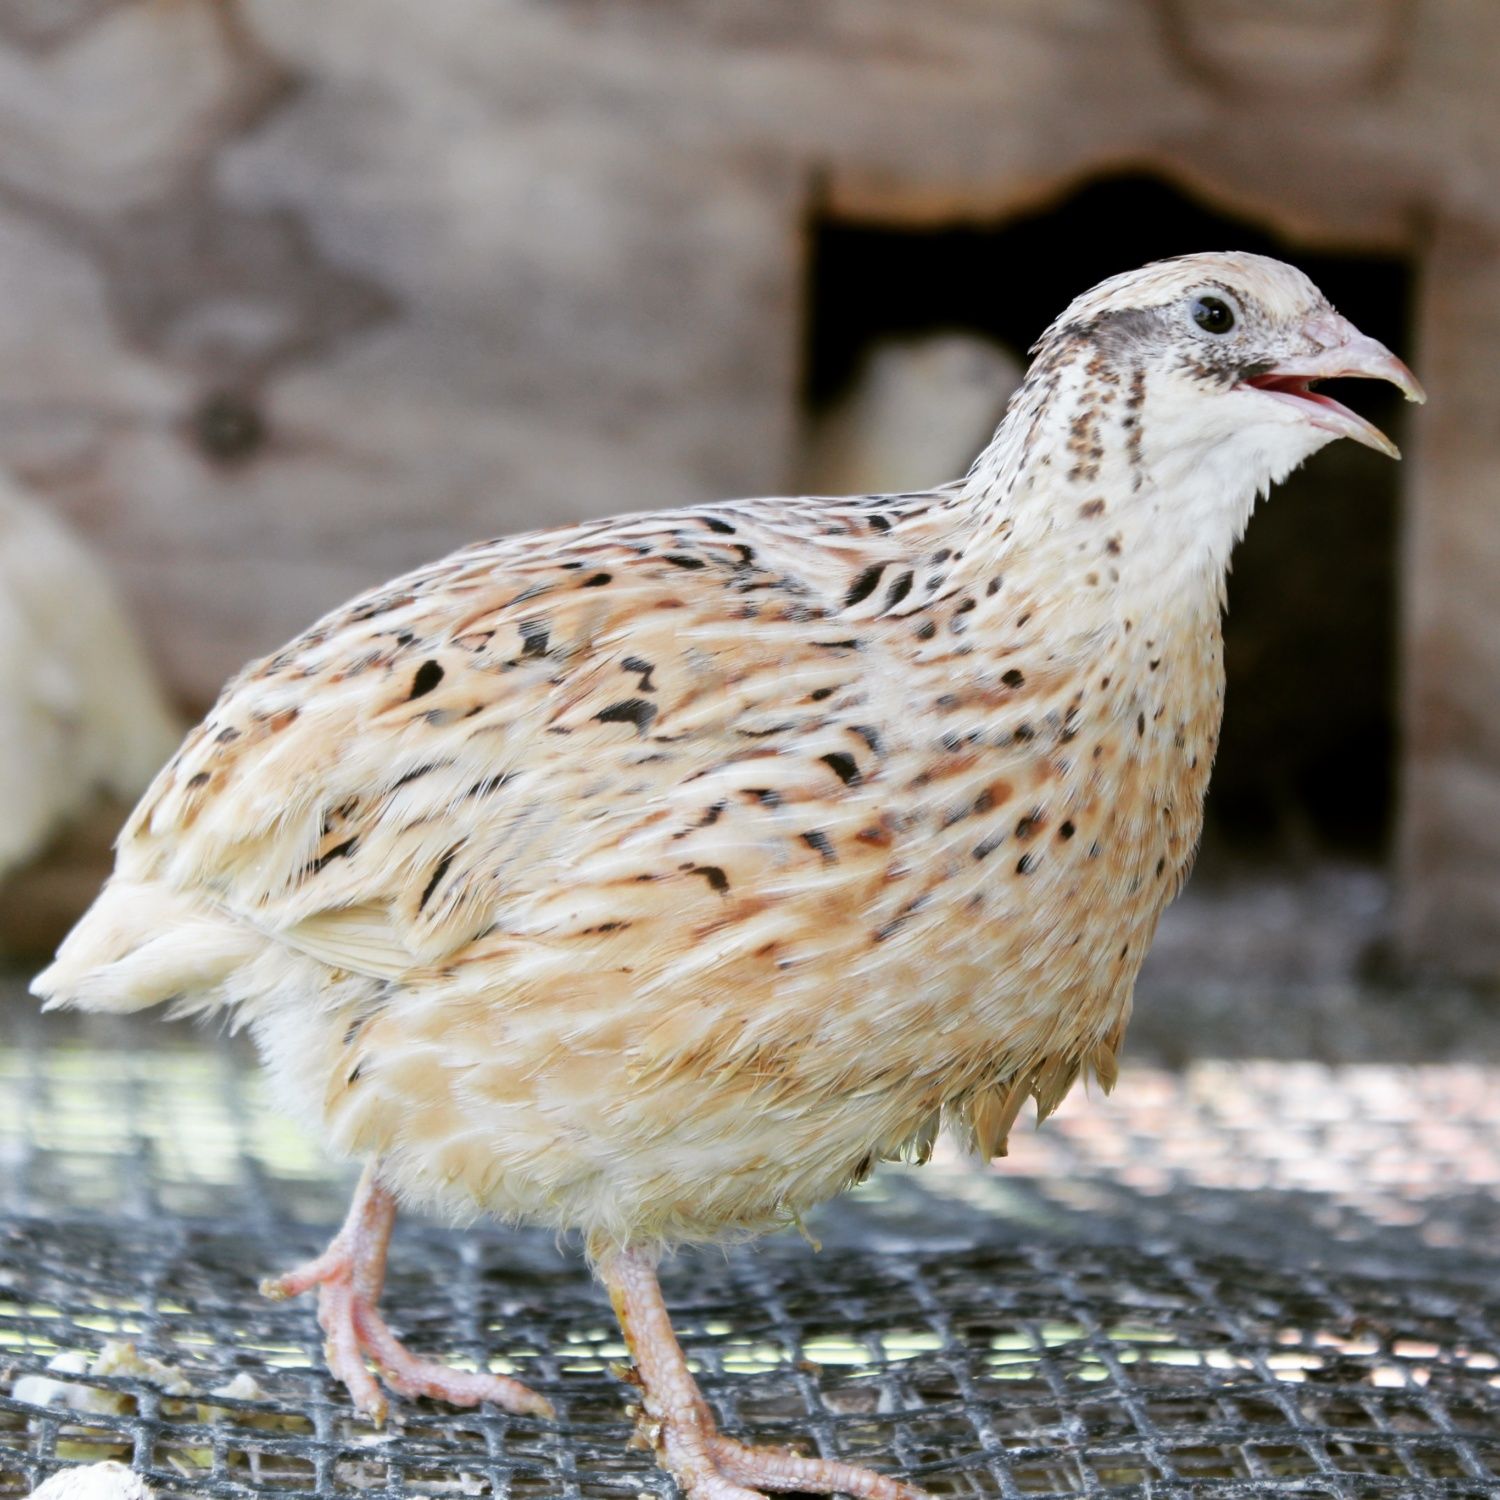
{"points": [[410, 1375], [779, 1469], [710, 1466]]}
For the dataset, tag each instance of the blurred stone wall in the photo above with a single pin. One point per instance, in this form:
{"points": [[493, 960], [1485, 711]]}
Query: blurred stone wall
{"points": [[296, 293]]}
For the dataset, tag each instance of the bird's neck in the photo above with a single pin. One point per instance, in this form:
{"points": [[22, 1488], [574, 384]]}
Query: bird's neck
{"points": [[1086, 481]]}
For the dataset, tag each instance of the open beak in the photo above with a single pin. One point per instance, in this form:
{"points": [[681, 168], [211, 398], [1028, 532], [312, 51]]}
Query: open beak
{"points": [[1351, 353]]}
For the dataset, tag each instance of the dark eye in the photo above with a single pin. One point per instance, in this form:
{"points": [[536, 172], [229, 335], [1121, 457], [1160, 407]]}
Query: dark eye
{"points": [[1213, 315]]}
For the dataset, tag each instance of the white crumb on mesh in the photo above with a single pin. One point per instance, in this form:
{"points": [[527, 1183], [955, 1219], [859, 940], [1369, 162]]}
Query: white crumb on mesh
{"points": [[118, 1357], [105, 1481], [41, 1390]]}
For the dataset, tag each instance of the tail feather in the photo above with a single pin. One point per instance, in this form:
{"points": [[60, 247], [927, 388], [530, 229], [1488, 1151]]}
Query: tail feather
{"points": [[141, 944]]}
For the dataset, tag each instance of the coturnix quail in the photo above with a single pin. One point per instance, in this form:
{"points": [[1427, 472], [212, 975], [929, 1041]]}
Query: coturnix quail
{"points": [[656, 877]]}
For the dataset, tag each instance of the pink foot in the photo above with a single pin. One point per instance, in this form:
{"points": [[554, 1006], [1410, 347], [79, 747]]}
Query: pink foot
{"points": [[781, 1469], [349, 1275], [678, 1426]]}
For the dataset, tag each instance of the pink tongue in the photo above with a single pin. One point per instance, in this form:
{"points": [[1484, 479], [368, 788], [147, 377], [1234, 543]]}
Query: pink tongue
{"points": [[1300, 388]]}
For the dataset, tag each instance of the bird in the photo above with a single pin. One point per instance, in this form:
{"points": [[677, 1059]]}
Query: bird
{"points": [[654, 878], [82, 716]]}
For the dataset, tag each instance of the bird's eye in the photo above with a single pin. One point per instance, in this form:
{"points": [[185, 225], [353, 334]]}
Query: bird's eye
{"points": [[1213, 314]]}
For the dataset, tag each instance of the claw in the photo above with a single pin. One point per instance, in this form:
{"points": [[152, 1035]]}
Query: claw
{"points": [[348, 1276], [676, 1423]]}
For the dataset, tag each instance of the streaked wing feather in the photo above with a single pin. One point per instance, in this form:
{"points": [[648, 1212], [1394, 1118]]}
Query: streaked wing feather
{"points": [[466, 741]]}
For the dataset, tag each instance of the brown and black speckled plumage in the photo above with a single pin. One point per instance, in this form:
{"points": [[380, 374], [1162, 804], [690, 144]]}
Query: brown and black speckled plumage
{"points": [[657, 876]]}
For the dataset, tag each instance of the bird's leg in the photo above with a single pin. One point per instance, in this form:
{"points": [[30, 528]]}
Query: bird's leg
{"points": [[681, 1428], [349, 1276]]}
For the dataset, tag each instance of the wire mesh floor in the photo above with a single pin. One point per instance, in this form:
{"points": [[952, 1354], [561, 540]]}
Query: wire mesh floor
{"points": [[1234, 1280]]}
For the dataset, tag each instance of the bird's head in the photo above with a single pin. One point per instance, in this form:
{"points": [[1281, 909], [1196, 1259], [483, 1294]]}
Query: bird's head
{"points": [[1189, 386], [1221, 354]]}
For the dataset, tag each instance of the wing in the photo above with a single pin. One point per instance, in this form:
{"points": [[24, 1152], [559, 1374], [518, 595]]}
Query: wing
{"points": [[529, 733]]}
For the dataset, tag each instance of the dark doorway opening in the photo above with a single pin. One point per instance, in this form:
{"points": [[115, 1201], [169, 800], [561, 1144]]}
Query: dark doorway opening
{"points": [[1306, 767]]}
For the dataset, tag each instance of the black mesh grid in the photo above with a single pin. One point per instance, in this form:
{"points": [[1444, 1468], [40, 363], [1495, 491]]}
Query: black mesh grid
{"points": [[1236, 1280]]}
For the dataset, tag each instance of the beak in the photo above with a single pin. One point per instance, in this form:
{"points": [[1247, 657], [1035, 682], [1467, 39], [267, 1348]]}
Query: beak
{"points": [[1346, 353]]}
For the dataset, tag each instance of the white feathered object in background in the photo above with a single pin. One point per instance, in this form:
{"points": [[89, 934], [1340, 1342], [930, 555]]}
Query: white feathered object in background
{"points": [[919, 408], [81, 714]]}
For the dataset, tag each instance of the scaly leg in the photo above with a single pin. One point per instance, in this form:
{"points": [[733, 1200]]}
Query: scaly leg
{"points": [[349, 1275], [679, 1425]]}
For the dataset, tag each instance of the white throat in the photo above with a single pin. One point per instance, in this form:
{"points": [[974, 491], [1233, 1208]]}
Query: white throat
{"points": [[1152, 482]]}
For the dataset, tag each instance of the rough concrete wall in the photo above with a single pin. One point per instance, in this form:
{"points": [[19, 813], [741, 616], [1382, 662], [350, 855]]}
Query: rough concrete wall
{"points": [[295, 294], [1449, 859]]}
